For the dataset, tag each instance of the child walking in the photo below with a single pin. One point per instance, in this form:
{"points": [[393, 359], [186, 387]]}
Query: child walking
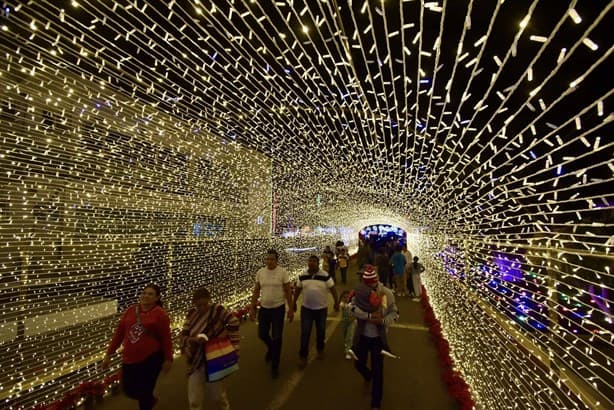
{"points": [[348, 322]]}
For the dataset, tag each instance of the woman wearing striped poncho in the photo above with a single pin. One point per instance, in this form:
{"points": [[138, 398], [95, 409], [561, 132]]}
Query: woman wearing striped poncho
{"points": [[206, 321]]}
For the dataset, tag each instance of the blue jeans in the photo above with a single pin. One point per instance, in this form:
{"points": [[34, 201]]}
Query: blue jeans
{"points": [[373, 346], [308, 317], [270, 330]]}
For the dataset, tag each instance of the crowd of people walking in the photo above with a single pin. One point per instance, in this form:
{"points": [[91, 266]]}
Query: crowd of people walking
{"points": [[210, 336]]}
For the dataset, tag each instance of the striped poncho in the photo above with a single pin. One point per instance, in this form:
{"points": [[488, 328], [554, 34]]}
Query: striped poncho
{"points": [[212, 323]]}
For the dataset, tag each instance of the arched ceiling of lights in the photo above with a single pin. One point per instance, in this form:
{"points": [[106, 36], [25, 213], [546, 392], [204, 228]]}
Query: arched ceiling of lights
{"points": [[441, 111]]}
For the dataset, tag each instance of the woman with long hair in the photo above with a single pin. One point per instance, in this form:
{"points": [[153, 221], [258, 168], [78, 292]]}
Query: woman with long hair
{"points": [[145, 333]]}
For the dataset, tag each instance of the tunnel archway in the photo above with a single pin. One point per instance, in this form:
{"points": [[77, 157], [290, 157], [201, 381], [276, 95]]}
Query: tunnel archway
{"points": [[381, 235], [145, 141]]}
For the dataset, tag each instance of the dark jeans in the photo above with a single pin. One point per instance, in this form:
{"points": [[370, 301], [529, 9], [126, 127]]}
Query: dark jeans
{"points": [[384, 277], [331, 270], [308, 317], [270, 330], [410, 285], [344, 275], [139, 379], [372, 345]]}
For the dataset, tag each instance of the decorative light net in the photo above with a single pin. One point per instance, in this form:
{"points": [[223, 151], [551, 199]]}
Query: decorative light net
{"points": [[174, 141]]}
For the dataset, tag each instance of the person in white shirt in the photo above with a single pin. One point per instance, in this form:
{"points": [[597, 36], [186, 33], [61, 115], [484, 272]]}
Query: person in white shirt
{"points": [[415, 269], [315, 284], [273, 288]]}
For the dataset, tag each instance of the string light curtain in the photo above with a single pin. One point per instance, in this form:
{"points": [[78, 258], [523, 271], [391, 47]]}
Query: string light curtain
{"points": [[167, 140]]}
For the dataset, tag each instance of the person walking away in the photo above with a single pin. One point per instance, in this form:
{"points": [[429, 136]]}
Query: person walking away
{"points": [[315, 284], [408, 258], [382, 263], [348, 323], [415, 269], [144, 332], [368, 341], [343, 261], [328, 262], [272, 286], [364, 254], [204, 322], [398, 263]]}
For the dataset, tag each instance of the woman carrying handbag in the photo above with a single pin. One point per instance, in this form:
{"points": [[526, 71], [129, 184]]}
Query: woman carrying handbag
{"points": [[145, 333], [210, 342]]}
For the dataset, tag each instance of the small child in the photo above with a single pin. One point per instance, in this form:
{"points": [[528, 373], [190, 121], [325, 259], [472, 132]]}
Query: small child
{"points": [[348, 322], [367, 299]]}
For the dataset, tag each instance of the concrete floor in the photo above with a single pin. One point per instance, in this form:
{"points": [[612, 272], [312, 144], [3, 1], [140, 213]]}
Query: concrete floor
{"points": [[411, 382]]}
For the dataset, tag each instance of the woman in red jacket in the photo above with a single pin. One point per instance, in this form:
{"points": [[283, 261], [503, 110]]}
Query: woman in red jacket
{"points": [[145, 333]]}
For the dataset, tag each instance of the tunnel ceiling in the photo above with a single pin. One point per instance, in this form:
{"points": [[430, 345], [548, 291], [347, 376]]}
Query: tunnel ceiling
{"points": [[487, 115]]}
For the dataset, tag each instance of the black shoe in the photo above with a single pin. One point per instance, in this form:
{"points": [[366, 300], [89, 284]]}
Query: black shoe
{"points": [[275, 373]]}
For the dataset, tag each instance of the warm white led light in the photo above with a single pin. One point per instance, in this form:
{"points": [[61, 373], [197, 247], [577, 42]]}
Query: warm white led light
{"points": [[174, 142]]}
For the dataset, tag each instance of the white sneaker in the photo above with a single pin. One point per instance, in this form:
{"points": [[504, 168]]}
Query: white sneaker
{"points": [[389, 354], [348, 356], [352, 354]]}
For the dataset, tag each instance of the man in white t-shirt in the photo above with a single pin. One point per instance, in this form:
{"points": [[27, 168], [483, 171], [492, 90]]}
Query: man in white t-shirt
{"points": [[315, 284], [273, 289]]}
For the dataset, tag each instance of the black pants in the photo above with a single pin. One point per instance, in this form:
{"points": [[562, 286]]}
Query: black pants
{"points": [[384, 277], [373, 346], [344, 275], [332, 270], [270, 330], [308, 317], [139, 379], [410, 285]]}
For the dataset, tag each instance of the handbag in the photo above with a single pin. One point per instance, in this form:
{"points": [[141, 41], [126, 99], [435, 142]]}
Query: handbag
{"points": [[137, 330], [221, 359]]}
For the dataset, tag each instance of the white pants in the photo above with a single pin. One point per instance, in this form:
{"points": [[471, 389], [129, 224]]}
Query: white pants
{"points": [[417, 281], [197, 384]]}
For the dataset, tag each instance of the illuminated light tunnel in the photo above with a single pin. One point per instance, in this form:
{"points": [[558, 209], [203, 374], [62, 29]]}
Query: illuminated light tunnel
{"points": [[143, 140]]}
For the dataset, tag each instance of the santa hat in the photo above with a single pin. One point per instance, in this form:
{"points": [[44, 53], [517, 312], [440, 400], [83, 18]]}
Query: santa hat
{"points": [[369, 276]]}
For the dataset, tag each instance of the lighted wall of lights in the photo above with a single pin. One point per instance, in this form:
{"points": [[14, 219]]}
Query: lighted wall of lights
{"points": [[524, 316], [100, 197]]}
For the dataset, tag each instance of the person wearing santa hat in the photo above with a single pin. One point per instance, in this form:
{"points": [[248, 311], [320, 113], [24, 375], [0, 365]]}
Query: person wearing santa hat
{"points": [[369, 338]]}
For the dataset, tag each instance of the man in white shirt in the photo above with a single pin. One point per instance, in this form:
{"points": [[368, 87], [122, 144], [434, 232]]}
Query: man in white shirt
{"points": [[273, 289], [315, 284]]}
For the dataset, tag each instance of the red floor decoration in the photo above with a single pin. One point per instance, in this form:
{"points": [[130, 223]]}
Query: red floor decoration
{"points": [[457, 387]]}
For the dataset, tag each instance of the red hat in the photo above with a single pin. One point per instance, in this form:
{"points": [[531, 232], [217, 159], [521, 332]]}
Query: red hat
{"points": [[369, 276]]}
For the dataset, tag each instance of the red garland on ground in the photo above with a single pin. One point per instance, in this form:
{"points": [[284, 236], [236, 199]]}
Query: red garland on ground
{"points": [[241, 313], [84, 390], [457, 387]]}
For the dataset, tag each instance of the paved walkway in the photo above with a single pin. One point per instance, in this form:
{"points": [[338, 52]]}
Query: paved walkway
{"points": [[411, 382]]}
